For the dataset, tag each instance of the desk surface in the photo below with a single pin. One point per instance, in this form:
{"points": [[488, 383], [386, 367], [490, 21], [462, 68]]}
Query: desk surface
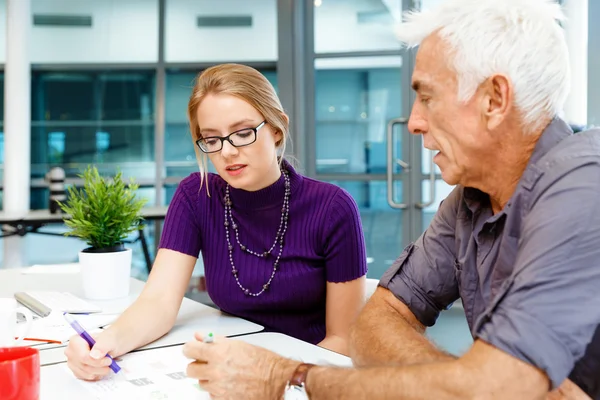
{"points": [[58, 383], [192, 316], [45, 216]]}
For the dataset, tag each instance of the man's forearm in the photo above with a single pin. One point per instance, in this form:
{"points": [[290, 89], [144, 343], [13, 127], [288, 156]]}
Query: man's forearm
{"points": [[381, 336], [433, 381], [448, 380]]}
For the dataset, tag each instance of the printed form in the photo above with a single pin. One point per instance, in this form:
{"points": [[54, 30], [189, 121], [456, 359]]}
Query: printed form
{"points": [[152, 374]]}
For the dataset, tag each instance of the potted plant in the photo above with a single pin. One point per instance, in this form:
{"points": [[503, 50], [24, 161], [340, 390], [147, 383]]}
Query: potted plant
{"points": [[103, 214]]}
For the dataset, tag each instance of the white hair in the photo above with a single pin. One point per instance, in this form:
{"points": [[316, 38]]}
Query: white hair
{"points": [[522, 39]]}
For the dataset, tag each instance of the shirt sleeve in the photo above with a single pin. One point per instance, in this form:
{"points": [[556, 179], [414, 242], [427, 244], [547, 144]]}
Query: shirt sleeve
{"points": [[546, 313], [345, 253], [181, 230], [423, 276]]}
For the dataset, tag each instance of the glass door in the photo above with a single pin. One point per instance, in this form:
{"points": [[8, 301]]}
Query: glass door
{"points": [[362, 104], [363, 99]]}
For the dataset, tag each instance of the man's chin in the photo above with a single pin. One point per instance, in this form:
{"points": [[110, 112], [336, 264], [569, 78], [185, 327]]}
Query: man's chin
{"points": [[449, 177]]}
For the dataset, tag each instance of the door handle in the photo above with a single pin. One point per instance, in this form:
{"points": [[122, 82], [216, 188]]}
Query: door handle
{"points": [[431, 183], [391, 162]]}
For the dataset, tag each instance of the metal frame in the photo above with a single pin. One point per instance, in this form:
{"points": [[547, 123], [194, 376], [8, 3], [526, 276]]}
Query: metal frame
{"points": [[160, 118], [61, 67], [412, 217], [198, 66], [295, 76]]}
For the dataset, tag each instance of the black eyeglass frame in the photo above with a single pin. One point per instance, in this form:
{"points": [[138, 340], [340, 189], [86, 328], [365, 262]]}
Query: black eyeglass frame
{"points": [[228, 138]]}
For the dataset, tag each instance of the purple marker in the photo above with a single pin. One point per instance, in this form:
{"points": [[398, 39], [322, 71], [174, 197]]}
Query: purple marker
{"points": [[90, 340]]}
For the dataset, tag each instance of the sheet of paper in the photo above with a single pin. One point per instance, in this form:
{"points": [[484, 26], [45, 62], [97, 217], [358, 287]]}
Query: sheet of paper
{"points": [[151, 374], [55, 327], [73, 268]]}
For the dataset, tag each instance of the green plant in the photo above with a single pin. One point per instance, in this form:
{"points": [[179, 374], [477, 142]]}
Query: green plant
{"points": [[104, 212]]}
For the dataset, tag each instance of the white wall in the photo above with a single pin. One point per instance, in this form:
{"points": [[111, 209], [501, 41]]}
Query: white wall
{"points": [[121, 31], [127, 31], [337, 29], [186, 42]]}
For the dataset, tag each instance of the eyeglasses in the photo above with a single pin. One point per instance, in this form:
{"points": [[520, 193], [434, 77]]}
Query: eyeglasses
{"points": [[240, 138]]}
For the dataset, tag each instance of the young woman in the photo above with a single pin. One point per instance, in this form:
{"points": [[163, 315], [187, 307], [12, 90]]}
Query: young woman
{"points": [[279, 249]]}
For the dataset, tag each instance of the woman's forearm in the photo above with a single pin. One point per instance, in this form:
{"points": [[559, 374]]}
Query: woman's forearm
{"points": [[143, 322], [335, 343]]}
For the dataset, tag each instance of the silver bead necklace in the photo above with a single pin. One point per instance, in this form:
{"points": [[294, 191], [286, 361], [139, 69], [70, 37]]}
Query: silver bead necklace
{"points": [[283, 224]]}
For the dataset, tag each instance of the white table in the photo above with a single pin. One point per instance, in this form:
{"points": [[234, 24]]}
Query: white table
{"points": [[33, 220], [192, 316], [58, 383]]}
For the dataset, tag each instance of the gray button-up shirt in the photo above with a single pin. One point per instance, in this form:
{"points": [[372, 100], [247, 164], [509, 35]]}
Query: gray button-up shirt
{"points": [[529, 276]]}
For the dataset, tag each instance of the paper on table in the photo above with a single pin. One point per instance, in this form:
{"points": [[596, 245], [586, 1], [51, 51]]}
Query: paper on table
{"points": [[54, 327], [53, 269], [149, 374]]}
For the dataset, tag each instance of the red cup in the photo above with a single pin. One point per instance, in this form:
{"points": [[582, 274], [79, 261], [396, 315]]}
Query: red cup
{"points": [[19, 373]]}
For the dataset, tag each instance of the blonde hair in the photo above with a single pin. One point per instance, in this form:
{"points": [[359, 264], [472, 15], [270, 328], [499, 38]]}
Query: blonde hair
{"points": [[245, 83]]}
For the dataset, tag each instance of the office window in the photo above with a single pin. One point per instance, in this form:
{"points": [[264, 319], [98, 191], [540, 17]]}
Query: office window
{"points": [[355, 99], [180, 158], [1, 118], [87, 117], [219, 31], [2, 97], [1, 130]]}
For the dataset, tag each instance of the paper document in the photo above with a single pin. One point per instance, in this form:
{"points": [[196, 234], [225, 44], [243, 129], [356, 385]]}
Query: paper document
{"points": [[52, 269], [54, 327], [150, 374]]}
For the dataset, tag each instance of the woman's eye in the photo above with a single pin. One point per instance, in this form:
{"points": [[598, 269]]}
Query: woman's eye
{"points": [[244, 134]]}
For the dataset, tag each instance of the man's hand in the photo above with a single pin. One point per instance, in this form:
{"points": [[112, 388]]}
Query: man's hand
{"points": [[567, 391], [231, 369]]}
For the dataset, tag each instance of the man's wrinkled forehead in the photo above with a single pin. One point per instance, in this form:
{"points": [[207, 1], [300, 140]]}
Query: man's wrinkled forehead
{"points": [[432, 65]]}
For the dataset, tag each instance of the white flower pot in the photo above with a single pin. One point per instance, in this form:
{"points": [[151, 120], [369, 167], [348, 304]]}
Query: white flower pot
{"points": [[105, 276]]}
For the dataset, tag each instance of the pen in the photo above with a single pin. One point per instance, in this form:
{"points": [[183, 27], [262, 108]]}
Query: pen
{"points": [[86, 336], [208, 338]]}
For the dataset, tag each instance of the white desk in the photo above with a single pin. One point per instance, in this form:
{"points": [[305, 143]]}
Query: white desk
{"points": [[58, 383], [296, 349], [192, 316], [33, 220]]}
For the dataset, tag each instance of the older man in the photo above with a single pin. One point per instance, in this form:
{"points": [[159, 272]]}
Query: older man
{"points": [[518, 240]]}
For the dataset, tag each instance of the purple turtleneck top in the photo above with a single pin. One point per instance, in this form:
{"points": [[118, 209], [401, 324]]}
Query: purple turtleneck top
{"points": [[324, 243]]}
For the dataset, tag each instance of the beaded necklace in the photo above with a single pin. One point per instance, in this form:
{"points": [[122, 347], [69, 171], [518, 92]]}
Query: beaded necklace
{"points": [[283, 224]]}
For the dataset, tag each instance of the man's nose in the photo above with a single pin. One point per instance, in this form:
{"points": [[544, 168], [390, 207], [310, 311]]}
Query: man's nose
{"points": [[417, 125]]}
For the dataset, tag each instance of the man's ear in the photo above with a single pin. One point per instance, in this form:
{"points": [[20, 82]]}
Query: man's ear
{"points": [[497, 100]]}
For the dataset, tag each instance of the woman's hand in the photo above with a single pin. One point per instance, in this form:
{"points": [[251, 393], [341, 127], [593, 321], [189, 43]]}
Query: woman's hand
{"points": [[90, 364]]}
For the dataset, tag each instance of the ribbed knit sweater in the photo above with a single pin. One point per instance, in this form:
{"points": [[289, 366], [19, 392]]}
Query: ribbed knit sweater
{"points": [[324, 243]]}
